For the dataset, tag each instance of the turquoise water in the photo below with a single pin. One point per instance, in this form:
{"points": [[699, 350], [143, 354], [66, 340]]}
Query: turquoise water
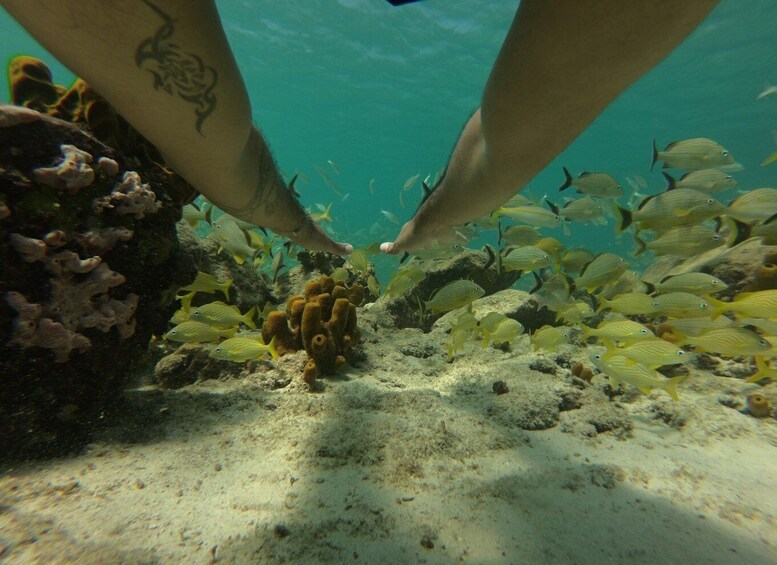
{"points": [[383, 92]]}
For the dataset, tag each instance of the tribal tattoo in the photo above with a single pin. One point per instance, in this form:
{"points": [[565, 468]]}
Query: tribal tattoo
{"points": [[177, 72]]}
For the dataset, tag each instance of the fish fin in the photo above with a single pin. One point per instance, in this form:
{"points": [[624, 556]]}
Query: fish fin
{"points": [[641, 246], [738, 232], [670, 386], [645, 389], [248, 318], [650, 288], [623, 218], [671, 183], [655, 155], [762, 372], [272, 348], [567, 181], [292, 189], [491, 256], [719, 307], [224, 288], [603, 304], [499, 231], [553, 207], [538, 282], [770, 219]]}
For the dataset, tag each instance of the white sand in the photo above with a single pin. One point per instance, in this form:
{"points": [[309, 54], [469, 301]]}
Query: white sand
{"points": [[408, 460]]}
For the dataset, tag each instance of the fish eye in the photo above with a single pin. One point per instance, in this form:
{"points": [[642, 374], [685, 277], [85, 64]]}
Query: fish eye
{"points": [[656, 304], [598, 356], [724, 153], [703, 305], [681, 353], [715, 237], [643, 331], [763, 342], [218, 350], [710, 200]]}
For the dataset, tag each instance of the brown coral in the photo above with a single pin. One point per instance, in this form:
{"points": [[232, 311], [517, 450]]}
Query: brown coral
{"points": [[323, 322], [758, 405]]}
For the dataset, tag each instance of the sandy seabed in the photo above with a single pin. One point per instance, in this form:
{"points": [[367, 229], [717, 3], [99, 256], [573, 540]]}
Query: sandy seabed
{"points": [[406, 458]]}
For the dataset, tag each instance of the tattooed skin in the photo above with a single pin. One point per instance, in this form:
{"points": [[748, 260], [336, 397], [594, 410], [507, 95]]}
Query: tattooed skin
{"points": [[177, 72], [265, 195]]}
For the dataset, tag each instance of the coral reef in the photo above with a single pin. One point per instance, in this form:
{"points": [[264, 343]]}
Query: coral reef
{"points": [[87, 230], [469, 264], [32, 88], [322, 322]]}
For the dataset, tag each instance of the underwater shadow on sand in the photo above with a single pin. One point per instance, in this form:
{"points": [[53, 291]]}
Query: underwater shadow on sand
{"points": [[353, 507]]}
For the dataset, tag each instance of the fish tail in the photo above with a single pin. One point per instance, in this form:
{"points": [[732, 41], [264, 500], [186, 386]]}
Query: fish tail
{"points": [[671, 183], [553, 207], [499, 231], [486, 338], [623, 218], [186, 301], [224, 288], [719, 307], [272, 349], [587, 330], [248, 318], [567, 181], [655, 155], [610, 348], [670, 386], [680, 339], [761, 373], [641, 246], [737, 231], [603, 304]]}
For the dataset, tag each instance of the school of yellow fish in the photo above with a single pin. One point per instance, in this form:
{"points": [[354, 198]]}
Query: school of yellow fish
{"points": [[683, 221]]}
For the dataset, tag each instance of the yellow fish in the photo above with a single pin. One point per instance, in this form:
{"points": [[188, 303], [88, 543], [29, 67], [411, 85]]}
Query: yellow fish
{"points": [[550, 337], [629, 303], [205, 282], [604, 268], [681, 305], [765, 371], [619, 369], [525, 259], [694, 283], [618, 330], [505, 332], [453, 295], [696, 153], [222, 315], [681, 241], [601, 185], [726, 341], [652, 353], [705, 180], [323, 214], [192, 331], [531, 215], [683, 206], [243, 348], [758, 304], [457, 340]]}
